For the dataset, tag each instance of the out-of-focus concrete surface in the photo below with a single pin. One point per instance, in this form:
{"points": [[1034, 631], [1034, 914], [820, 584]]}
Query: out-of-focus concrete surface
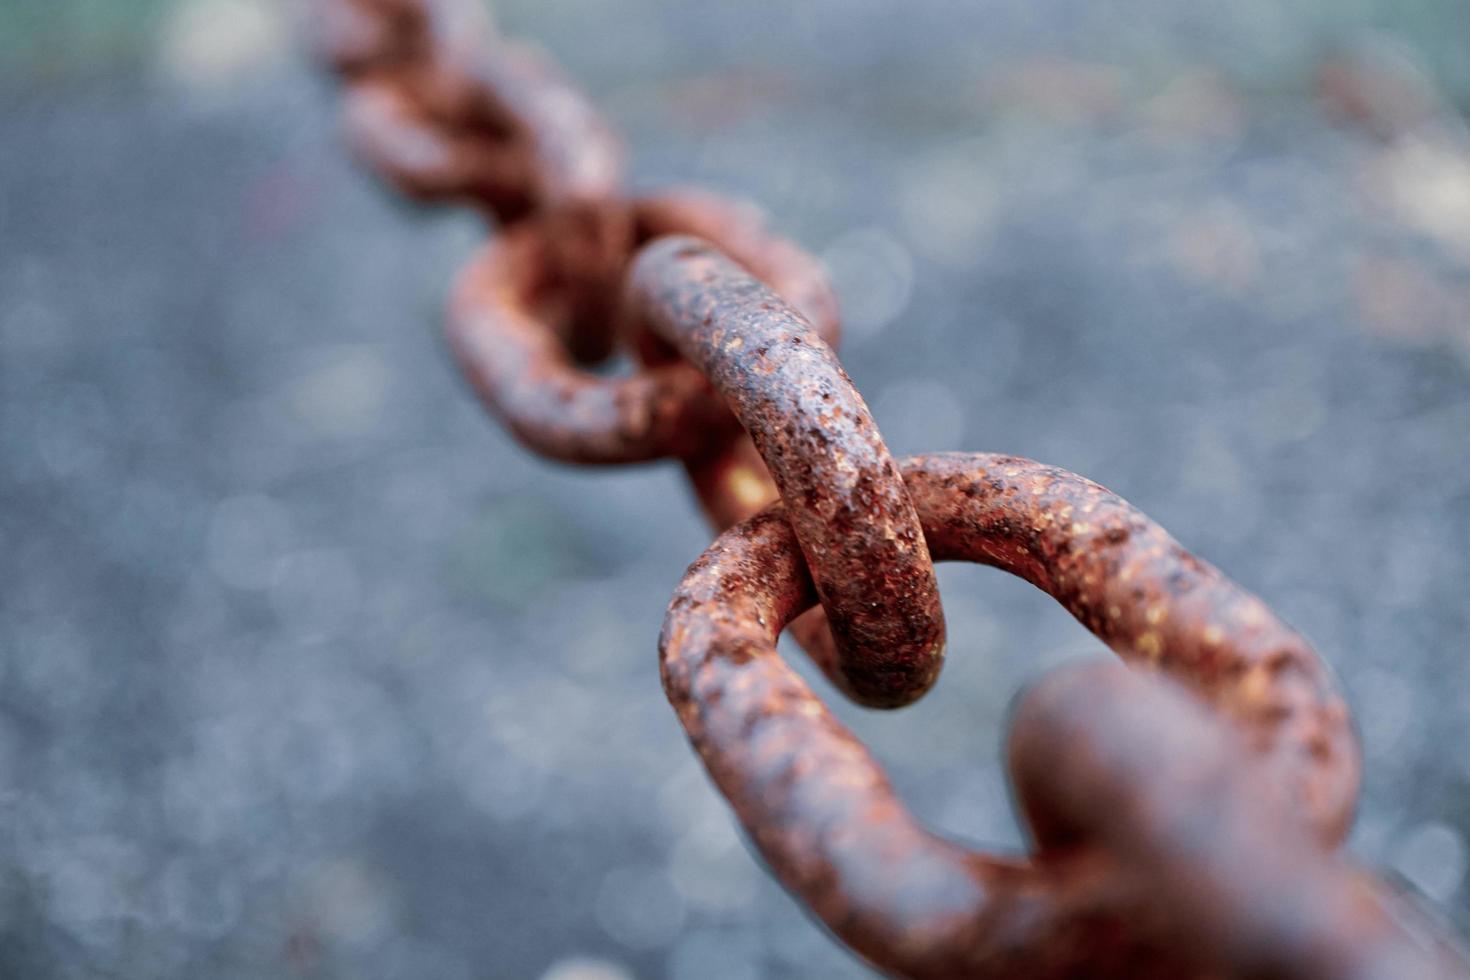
{"points": [[306, 670]]}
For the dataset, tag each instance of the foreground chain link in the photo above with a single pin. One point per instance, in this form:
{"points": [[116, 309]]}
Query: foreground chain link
{"points": [[1185, 814]]}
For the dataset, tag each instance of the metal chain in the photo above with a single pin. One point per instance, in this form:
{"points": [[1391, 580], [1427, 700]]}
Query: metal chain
{"points": [[1185, 815]]}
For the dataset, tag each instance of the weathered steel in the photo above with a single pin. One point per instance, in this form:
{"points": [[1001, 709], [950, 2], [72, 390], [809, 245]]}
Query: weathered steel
{"points": [[392, 133], [441, 57], [844, 495], [447, 111], [1132, 771], [506, 328], [1185, 814], [1128, 765]]}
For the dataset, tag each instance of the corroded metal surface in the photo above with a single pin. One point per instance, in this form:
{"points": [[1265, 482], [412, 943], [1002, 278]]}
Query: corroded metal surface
{"points": [[739, 230], [508, 318], [525, 374], [843, 493], [1142, 802], [1185, 814], [1128, 764], [1157, 606], [391, 133], [457, 78], [446, 110]]}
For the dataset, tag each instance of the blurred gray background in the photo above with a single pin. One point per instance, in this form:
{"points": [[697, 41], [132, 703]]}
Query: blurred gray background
{"points": [[307, 671]]}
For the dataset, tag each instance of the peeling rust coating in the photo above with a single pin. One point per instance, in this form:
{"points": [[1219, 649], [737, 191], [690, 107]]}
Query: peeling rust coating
{"points": [[844, 495], [1155, 819]]}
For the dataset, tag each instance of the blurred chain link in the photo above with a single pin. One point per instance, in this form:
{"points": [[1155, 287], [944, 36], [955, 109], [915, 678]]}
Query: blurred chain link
{"points": [[1186, 815]]}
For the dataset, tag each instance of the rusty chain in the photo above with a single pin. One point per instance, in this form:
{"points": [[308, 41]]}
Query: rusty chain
{"points": [[1186, 815]]}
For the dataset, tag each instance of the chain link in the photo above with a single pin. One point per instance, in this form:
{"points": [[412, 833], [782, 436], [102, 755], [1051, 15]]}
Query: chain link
{"points": [[844, 496], [1185, 815]]}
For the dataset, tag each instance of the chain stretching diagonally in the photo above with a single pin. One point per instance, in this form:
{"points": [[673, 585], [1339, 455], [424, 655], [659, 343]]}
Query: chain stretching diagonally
{"points": [[1186, 814]]}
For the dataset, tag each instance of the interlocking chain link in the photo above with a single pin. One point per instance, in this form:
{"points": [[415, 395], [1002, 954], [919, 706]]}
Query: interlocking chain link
{"points": [[1185, 814], [844, 496]]}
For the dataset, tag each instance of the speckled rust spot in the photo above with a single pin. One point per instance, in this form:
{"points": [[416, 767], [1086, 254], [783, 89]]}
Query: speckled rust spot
{"points": [[843, 494], [1185, 822]]}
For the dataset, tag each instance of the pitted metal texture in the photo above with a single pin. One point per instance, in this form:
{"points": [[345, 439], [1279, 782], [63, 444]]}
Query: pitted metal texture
{"points": [[1185, 813]]}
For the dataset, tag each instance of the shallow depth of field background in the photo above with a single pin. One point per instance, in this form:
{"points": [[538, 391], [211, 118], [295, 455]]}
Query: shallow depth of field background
{"points": [[307, 671]]}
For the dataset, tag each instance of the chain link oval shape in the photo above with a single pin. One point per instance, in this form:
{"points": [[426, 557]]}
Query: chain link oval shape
{"points": [[844, 496], [1168, 785]]}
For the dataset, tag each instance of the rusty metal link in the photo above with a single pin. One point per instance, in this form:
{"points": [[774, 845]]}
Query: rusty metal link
{"points": [[447, 111], [456, 82], [1154, 820], [1185, 814], [1127, 768], [843, 493], [506, 328]]}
